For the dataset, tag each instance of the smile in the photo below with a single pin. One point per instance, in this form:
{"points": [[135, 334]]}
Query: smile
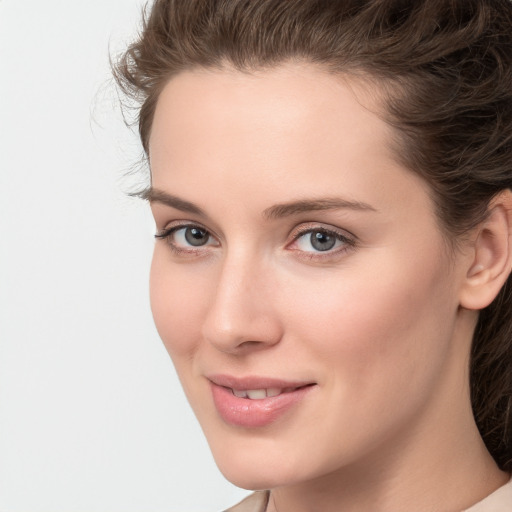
{"points": [[256, 402], [260, 394]]}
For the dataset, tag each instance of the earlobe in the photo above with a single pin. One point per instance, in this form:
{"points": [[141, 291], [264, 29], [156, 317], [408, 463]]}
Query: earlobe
{"points": [[491, 255]]}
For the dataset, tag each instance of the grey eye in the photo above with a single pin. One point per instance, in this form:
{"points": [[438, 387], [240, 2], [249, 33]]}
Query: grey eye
{"points": [[322, 241], [196, 236]]}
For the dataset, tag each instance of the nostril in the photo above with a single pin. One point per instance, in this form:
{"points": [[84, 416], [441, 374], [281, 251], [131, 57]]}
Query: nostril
{"points": [[251, 345]]}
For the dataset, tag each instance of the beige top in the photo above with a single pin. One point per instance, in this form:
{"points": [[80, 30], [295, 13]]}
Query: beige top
{"points": [[499, 501]]}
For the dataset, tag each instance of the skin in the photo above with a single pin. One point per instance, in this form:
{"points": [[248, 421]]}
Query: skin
{"points": [[377, 323]]}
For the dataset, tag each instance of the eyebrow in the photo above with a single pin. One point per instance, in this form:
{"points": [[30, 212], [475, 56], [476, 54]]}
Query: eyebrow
{"points": [[154, 195], [277, 211], [310, 205]]}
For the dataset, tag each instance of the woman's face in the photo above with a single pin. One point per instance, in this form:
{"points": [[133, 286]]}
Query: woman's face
{"points": [[300, 267]]}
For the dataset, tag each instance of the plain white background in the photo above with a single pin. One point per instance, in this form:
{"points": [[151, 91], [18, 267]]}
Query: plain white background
{"points": [[92, 417]]}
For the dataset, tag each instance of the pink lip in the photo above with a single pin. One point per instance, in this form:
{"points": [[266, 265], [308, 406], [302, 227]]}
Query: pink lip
{"points": [[244, 412]]}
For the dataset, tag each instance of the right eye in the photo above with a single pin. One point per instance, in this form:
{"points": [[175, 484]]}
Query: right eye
{"points": [[187, 238]]}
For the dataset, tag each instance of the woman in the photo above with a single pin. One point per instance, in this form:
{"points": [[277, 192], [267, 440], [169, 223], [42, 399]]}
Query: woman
{"points": [[331, 185]]}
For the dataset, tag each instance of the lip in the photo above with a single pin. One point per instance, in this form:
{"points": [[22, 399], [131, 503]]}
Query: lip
{"points": [[244, 412]]}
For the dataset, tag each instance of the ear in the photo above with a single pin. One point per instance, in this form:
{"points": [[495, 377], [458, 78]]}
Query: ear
{"points": [[491, 255]]}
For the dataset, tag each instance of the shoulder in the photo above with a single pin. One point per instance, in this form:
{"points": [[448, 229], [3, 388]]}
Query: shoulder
{"points": [[499, 501], [255, 502]]}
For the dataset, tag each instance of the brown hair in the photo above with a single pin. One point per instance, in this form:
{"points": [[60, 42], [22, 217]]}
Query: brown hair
{"points": [[448, 65]]}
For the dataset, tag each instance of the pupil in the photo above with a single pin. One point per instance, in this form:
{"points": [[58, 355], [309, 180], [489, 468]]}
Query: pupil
{"points": [[322, 241], [196, 236]]}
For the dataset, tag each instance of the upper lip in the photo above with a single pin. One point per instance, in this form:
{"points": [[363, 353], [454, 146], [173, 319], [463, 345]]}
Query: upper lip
{"points": [[255, 382]]}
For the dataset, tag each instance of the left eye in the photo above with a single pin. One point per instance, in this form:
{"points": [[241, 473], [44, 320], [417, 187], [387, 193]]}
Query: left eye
{"points": [[320, 240], [183, 238], [191, 235]]}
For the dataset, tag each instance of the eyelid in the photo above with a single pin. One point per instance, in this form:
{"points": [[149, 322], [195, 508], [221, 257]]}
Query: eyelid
{"points": [[166, 234], [308, 227], [349, 240], [178, 224]]}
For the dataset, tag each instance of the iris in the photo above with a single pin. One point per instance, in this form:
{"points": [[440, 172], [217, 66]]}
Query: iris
{"points": [[322, 241]]}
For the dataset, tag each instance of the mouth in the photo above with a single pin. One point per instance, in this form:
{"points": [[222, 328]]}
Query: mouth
{"points": [[260, 394], [256, 402]]}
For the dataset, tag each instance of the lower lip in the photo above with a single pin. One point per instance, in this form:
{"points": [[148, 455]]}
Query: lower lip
{"points": [[244, 412]]}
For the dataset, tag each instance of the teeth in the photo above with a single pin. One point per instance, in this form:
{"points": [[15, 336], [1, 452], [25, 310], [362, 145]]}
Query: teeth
{"points": [[257, 394]]}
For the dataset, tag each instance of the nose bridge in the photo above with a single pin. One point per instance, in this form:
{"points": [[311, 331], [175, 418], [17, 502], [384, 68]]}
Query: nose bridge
{"points": [[241, 311]]}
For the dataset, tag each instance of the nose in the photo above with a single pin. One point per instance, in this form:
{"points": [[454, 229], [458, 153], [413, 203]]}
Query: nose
{"points": [[242, 315]]}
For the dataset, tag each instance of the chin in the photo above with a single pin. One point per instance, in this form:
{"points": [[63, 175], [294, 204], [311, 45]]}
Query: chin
{"points": [[253, 477], [250, 482], [256, 467]]}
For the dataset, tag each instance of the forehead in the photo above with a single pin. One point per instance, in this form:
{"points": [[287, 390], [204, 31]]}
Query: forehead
{"points": [[296, 100], [273, 135]]}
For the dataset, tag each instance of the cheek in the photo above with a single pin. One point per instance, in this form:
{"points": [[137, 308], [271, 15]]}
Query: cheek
{"points": [[378, 327], [177, 302]]}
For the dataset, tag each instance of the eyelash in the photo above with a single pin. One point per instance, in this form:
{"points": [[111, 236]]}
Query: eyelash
{"points": [[168, 233], [348, 242]]}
